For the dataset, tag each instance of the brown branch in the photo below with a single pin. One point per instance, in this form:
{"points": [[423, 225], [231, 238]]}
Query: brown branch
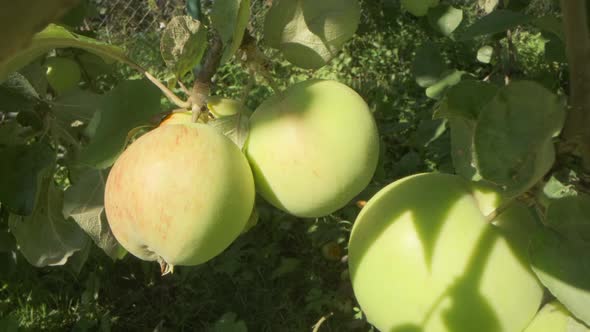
{"points": [[576, 133], [203, 76]]}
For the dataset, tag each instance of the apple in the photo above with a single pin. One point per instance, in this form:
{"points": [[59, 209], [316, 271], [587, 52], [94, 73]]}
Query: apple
{"points": [[554, 317], [312, 148], [422, 257], [62, 74], [179, 194], [419, 7]]}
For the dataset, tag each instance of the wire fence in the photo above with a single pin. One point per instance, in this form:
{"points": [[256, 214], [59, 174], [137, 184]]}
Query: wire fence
{"points": [[120, 21]]}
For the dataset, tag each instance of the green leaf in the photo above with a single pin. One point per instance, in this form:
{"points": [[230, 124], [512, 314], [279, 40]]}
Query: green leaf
{"points": [[55, 36], [309, 33], [234, 126], [462, 152], [75, 109], [485, 53], [570, 216], [12, 133], [428, 131], [513, 135], [466, 99], [230, 18], [229, 323], [193, 8], [446, 81], [252, 221], [46, 238], [445, 19], [131, 104], [555, 49], [17, 95], [497, 21], [561, 265], [21, 19], [8, 324], [551, 24], [183, 44], [428, 65], [21, 169], [84, 202]]}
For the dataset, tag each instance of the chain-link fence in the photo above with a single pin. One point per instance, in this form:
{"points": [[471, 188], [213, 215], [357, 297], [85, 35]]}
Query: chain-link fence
{"points": [[120, 21]]}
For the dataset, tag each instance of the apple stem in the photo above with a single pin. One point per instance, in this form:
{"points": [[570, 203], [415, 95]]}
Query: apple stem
{"points": [[165, 268], [575, 132]]}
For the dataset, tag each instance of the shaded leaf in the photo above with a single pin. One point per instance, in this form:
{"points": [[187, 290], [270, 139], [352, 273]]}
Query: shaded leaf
{"points": [[75, 109], [561, 265], [230, 19], [55, 36], [21, 169], [20, 20], [445, 19], [84, 202], [446, 81], [46, 238], [499, 20], [462, 152], [229, 323], [551, 24], [570, 216], [428, 65], [466, 99], [183, 44], [131, 104], [513, 135]]}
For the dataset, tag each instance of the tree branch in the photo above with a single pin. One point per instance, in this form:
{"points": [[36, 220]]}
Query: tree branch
{"points": [[576, 133], [202, 85]]}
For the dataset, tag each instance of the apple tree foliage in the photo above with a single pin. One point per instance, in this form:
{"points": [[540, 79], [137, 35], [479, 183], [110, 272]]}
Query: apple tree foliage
{"points": [[526, 137]]}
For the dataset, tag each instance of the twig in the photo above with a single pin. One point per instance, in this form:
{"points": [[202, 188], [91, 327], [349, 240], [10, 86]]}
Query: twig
{"points": [[575, 134], [202, 85]]}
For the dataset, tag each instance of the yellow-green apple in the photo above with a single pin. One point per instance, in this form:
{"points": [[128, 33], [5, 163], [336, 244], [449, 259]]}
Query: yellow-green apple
{"points": [[424, 256], [312, 148]]}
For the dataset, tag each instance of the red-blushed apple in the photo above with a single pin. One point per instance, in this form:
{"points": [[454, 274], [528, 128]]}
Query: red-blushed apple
{"points": [[179, 194]]}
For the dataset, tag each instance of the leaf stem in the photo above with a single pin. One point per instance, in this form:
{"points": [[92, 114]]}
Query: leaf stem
{"points": [[575, 133], [167, 92]]}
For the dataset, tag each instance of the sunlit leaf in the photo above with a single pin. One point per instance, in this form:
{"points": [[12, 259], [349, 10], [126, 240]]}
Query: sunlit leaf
{"points": [[55, 36], [230, 18], [308, 32], [131, 104], [183, 44]]}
